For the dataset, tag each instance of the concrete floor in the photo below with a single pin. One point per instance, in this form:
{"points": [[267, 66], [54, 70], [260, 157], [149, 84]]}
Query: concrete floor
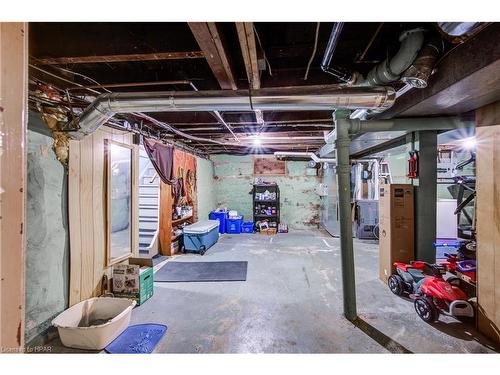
{"points": [[292, 303]]}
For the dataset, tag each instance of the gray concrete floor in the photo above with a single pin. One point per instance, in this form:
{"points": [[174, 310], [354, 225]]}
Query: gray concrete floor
{"points": [[292, 303]]}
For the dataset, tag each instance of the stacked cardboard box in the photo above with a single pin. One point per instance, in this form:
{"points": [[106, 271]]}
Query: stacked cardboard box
{"points": [[396, 228]]}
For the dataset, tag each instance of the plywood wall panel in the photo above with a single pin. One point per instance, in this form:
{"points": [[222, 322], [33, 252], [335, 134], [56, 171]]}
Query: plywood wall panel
{"points": [[488, 219], [87, 212], [495, 171]]}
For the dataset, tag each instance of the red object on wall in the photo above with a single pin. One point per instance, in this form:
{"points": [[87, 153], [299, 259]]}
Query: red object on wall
{"points": [[413, 165]]}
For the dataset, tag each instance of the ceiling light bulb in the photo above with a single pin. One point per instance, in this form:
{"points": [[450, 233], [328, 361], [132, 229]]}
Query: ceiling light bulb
{"points": [[257, 140], [469, 143]]}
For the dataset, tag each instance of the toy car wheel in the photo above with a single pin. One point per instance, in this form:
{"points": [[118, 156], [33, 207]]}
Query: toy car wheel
{"points": [[183, 250], [426, 309], [202, 250], [395, 283]]}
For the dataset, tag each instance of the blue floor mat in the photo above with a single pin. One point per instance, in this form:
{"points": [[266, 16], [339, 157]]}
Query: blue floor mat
{"points": [[137, 339]]}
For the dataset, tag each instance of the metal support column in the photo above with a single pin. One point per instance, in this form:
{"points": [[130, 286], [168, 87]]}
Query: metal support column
{"points": [[342, 142], [426, 197]]}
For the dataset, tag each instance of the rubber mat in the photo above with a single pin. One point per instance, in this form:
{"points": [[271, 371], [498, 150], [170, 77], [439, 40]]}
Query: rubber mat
{"points": [[201, 271], [137, 339]]}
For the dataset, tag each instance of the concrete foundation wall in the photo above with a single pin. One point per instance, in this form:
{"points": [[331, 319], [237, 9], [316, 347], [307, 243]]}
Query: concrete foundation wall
{"points": [[47, 251], [205, 190], [300, 205]]}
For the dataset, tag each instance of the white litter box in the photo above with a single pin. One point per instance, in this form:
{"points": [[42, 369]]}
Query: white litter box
{"points": [[94, 323]]}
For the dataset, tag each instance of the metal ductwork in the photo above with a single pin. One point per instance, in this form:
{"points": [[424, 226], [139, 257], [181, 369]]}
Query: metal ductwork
{"points": [[416, 67], [417, 75], [326, 64], [390, 70], [312, 155], [282, 99]]}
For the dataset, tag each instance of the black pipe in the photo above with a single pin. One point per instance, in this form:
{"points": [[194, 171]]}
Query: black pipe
{"points": [[338, 72]]}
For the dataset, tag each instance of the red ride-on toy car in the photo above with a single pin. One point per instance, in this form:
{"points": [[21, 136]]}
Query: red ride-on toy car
{"points": [[424, 283]]}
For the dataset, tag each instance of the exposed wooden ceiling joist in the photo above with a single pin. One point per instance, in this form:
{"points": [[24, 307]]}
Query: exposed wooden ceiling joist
{"points": [[121, 58], [210, 41], [246, 37]]}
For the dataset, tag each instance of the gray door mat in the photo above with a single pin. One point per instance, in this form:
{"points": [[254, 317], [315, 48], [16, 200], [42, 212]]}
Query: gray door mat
{"points": [[202, 271]]}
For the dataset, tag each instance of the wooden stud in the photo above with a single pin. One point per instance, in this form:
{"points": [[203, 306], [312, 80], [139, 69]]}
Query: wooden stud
{"points": [[99, 218], [246, 37], [13, 126], [87, 216], [74, 223], [159, 56], [165, 219]]}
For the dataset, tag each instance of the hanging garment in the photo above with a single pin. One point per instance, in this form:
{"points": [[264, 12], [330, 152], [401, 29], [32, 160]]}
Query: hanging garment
{"points": [[178, 190], [162, 158]]}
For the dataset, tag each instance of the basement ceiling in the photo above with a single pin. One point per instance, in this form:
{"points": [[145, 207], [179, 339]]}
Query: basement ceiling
{"points": [[72, 63]]}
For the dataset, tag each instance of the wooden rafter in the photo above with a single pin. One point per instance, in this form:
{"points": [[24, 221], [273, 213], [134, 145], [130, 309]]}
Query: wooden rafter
{"points": [[249, 51], [211, 43], [121, 58]]}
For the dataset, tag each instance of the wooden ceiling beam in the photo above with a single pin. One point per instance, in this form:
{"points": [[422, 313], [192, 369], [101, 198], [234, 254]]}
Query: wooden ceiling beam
{"points": [[211, 43], [246, 37], [120, 58]]}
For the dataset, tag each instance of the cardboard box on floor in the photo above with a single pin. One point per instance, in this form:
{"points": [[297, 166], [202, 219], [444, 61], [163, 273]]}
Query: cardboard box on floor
{"points": [[396, 227], [133, 281]]}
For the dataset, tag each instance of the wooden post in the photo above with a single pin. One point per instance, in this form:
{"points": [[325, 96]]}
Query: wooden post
{"points": [[13, 126], [165, 222]]}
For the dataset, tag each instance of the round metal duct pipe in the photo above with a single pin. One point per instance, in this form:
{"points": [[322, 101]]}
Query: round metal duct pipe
{"points": [[310, 98]]}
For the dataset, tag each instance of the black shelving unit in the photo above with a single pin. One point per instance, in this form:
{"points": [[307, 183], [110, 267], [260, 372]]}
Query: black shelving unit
{"points": [[266, 208]]}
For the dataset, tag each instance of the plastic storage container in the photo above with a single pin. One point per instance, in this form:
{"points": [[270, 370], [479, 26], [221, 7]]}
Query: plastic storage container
{"points": [[233, 225], [92, 324], [247, 227], [200, 236], [221, 216]]}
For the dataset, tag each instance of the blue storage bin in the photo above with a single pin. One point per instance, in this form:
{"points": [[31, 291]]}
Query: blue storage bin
{"points": [[233, 225], [200, 236], [247, 227], [221, 216]]}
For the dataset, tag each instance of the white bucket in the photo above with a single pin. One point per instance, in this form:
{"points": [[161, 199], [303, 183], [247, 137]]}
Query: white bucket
{"points": [[75, 325]]}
